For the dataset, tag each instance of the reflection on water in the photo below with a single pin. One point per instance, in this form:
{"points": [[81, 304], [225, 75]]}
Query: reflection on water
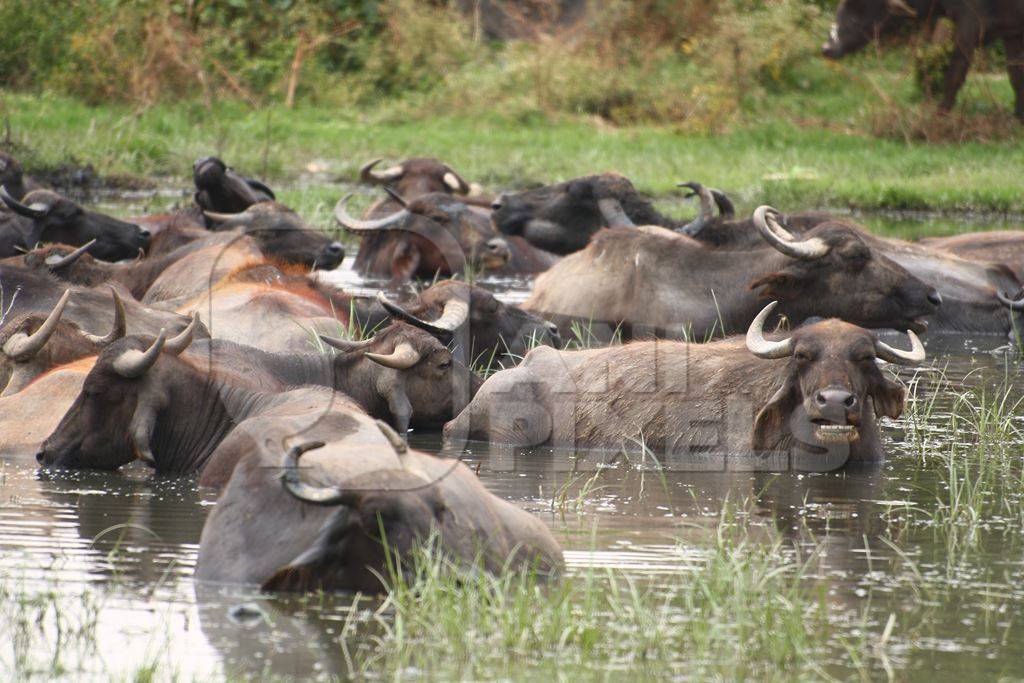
{"points": [[104, 561]]}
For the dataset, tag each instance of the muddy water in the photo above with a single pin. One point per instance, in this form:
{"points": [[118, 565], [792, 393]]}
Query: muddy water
{"points": [[96, 567]]}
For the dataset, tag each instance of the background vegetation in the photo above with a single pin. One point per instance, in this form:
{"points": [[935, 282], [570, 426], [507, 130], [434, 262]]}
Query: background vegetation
{"points": [[731, 92]]}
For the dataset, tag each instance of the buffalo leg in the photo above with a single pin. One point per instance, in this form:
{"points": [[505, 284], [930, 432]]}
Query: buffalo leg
{"points": [[1015, 66], [956, 72]]}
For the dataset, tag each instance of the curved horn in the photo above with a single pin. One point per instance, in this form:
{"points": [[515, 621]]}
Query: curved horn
{"points": [[916, 353], [613, 213], [371, 177], [133, 364], [402, 358], [355, 225], [291, 479], [761, 347], [453, 315], [707, 209], [120, 323], [222, 217], [68, 259], [19, 208], [783, 241], [397, 312], [23, 346], [345, 344], [181, 342], [1013, 305], [455, 183], [397, 197]]}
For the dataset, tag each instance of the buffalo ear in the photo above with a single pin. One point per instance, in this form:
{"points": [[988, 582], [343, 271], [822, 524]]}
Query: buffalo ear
{"points": [[317, 567], [889, 398], [772, 417], [778, 285]]}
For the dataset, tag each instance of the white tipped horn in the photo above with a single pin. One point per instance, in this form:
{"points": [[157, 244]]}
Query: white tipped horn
{"points": [[371, 177], [402, 358], [353, 224], [916, 354], [133, 364], [22, 346], [783, 241], [761, 347], [68, 259], [179, 343]]}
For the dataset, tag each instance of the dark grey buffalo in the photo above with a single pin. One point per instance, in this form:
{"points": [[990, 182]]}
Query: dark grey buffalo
{"points": [[977, 23], [45, 216]]}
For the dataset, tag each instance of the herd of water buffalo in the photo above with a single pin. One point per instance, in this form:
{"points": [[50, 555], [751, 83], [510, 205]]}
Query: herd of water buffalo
{"points": [[207, 341]]}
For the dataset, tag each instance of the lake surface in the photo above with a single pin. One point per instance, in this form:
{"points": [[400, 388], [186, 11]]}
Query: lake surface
{"points": [[97, 567]]}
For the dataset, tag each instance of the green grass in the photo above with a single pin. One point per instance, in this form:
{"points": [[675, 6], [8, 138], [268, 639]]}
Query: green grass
{"points": [[778, 161]]}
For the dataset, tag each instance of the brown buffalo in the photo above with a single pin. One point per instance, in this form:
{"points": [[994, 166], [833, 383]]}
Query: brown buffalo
{"points": [[653, 281], [479, 328], [438, 235], [799, 395], [998, 246], [359, 504]]}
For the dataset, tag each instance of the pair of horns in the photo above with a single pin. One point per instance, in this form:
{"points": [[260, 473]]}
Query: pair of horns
{"points": [[20, 347], [765, 220], [367, 175], [403, 357], [34, 211], [291, 479], [763, 348], [133, 364], [710, 199]]}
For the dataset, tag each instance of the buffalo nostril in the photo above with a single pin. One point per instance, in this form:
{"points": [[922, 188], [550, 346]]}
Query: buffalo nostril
{"points": [[934, 298], [144, 234], [495, 206], [335, 248], [850, 401], [40, 457], [820, 399]]}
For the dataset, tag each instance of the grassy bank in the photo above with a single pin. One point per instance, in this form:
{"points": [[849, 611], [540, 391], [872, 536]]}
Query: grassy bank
{"points": [[778, 161]]}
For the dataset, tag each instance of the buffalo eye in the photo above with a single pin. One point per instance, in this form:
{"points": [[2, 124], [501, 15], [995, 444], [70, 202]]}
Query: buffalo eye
{"points": [[445, 363], [803, 356]]}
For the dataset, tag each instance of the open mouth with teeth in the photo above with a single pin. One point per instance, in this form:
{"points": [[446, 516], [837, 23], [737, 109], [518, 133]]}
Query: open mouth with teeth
{"points": [[829, 433]]}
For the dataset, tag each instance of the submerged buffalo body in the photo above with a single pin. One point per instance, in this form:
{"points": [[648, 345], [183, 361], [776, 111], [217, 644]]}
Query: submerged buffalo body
{"points": [[798, 396], [977, 22], [359, 502]]}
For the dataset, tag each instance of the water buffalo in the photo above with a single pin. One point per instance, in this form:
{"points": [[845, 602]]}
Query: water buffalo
{"points": [[651, 280], [402, 375], [282, 234], [220, 189], [146, 399], [355, 506], [1000, 246], [45, 216], [974, 292], [977, 23], [415, 177], [30, 415], [819, 387], [33, 344], [496, 332], [436, 234]]}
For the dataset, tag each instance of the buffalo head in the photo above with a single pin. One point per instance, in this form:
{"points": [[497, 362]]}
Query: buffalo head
{"points": [[113, 420], [58, 219], [381, 516], [833, 272], [282, 234], [415, 177], [832, 388], [219, 188], [430, 235], [422, 384], [495, 331], [858, 22]]}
